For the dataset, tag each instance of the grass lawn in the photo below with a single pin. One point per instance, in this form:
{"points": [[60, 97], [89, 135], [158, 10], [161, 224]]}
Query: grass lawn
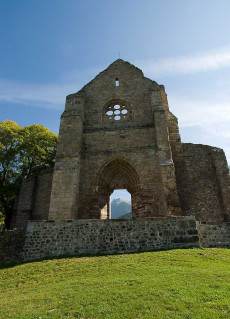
{"points": [[189, 283]]}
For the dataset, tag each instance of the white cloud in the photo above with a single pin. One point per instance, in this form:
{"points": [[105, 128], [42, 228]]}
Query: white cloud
{"points": [[50, 95], [211, 116], [200, 113], [45, 95], [204, 61], [208, 121]]}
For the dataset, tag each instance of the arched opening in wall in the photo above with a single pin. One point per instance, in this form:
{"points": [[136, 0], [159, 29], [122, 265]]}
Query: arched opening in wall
{"points": [[120, 204], [117, 174]]}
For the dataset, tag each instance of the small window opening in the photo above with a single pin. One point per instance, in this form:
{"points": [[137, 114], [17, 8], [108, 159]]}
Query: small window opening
{"points": [[120, 204], [117, 82]]}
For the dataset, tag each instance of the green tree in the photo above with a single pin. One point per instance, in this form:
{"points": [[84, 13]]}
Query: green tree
{"points": [[24, 152], [9, 170], [37, 149], [2, 222]]}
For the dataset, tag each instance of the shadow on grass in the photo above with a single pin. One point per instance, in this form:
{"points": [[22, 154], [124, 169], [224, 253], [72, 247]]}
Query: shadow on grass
{"points": [[14, 264]]}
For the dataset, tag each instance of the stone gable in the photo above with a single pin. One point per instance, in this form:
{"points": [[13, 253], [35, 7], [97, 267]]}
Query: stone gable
{"points": [[117, 132]]}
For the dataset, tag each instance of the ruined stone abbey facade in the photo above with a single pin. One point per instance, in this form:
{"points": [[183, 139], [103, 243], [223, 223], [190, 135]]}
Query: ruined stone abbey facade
{"points": [[117, 132]]}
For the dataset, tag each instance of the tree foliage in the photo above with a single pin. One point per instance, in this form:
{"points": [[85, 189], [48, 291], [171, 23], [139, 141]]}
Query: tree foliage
{"points": [[24, 152], [2, 222]]}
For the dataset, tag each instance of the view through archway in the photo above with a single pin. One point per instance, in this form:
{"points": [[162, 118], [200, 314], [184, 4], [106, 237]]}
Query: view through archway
{"points": [[120, 204]]}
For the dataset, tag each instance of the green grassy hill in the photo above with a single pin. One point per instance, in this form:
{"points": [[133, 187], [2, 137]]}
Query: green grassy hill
{"points": [[191, 283]]}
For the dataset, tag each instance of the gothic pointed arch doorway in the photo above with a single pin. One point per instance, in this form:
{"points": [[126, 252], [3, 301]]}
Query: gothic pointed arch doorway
{"points": [[116, 174]]}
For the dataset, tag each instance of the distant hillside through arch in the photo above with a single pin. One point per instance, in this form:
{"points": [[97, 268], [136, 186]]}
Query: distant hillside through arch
{"points": [[120, 201]]}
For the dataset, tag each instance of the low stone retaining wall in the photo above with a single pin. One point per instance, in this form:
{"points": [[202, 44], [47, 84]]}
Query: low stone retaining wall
{"points": [[76, 237], [11, 245], [214, 234], [91, 237]]}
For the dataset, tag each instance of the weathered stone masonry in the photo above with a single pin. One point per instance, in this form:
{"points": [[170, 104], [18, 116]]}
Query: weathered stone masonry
{"points": [[213, 234], [126, 137], [106, 236], [11, 245], [76, 237], [117, 132]]}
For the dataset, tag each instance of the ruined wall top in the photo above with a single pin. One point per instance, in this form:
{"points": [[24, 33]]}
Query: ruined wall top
{"points": [[119, 96]]}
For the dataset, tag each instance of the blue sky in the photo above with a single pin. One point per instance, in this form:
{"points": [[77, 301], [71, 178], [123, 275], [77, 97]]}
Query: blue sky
{"points": [[52, 48]]}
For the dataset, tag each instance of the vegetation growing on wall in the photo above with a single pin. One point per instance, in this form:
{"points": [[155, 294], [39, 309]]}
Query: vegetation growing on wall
{"points": [[24, 152]]}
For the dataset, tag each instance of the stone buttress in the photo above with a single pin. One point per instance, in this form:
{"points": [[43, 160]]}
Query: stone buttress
{"points": [[65, 186]]}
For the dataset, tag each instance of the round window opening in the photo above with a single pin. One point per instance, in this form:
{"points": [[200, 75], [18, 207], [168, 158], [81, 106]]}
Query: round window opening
{"points": [[117, 111]]}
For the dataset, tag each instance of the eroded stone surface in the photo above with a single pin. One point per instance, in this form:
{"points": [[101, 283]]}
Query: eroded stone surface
{"points": [[213, 234], [125, 137], [108, 236]]}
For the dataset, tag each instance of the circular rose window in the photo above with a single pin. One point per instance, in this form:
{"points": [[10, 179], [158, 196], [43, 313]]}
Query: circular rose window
{"points": [[117, 111]]}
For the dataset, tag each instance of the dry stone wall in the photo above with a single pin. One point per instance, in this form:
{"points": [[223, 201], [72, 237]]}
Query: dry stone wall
{"points": [[11, 245], [89, 237], [214, 234]]}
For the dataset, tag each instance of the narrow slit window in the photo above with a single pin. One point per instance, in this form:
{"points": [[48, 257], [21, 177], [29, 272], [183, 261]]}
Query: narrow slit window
{"points": [[117, 82]]}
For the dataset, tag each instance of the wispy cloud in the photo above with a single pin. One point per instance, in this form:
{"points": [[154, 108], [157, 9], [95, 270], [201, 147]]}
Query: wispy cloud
{"points": [[200, 113], [200, 62], [44, 95], [49, 95], [52, 95], [209, 113], [206, 120]]}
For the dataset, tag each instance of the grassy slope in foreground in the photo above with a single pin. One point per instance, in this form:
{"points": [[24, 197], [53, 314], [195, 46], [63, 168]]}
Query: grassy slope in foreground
{"points": [[192, 283]]}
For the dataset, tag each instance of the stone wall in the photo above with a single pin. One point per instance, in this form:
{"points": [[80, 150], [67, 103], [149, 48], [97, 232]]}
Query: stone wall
{"points": [[33, 201], [214, 234], [90, 237], [204, 187], [23, 212], [125, 137], [11, 245], [41, 201], [53, 238], [123, 128]]}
